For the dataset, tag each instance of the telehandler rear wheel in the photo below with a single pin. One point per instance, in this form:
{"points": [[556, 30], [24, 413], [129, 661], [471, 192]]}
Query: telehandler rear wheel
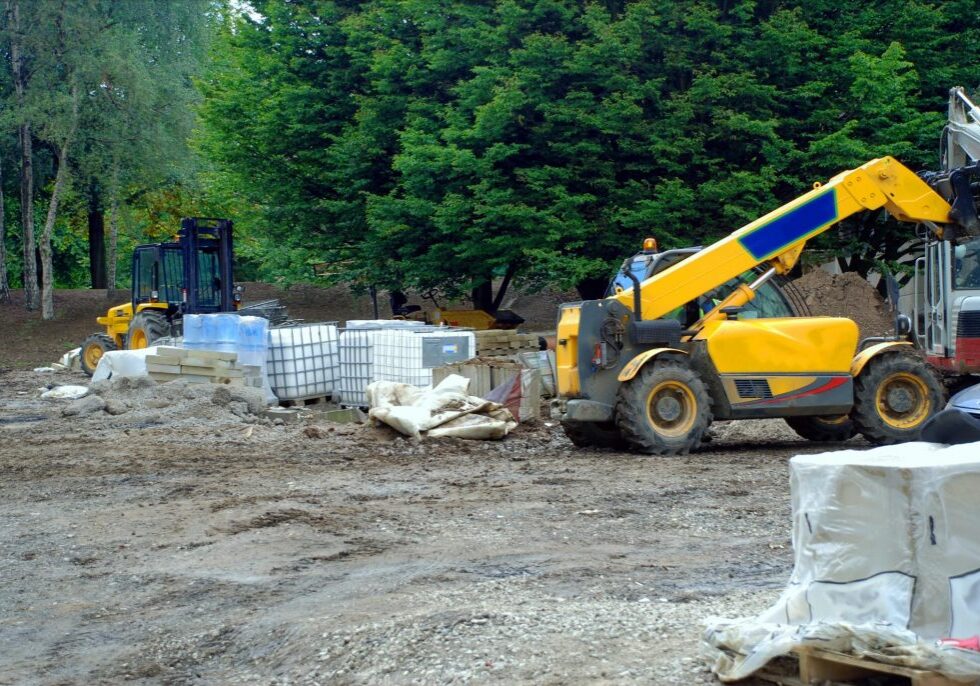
{"points": [[146, 327], [665, 409], [894, 395], [594, 435], [823, 429], [93, 348]]}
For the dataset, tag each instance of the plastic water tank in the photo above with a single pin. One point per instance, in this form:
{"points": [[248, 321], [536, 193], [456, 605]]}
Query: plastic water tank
{"points": [[219, 332], [407, 356], [357, 357], [253, 341], [303, 361], [193, 331]]}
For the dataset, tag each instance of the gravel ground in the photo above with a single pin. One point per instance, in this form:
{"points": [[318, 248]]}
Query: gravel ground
{"points": [[221, 549]]}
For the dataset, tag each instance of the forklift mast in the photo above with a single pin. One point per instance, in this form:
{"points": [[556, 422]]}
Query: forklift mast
{"points": [[206, 251]]}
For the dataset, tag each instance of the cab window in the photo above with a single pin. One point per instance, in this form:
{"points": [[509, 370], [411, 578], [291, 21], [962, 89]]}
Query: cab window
{"points": [[966, 265]]}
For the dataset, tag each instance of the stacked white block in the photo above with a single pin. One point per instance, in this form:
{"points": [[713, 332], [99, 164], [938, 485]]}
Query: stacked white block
{"points": [[304, 361], [410, 356]]}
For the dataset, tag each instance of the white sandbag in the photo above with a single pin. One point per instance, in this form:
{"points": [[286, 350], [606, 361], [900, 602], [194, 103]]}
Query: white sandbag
{"points": [[71, 359], [120, 363], [886, 561], [446, 410], [66, 392]]}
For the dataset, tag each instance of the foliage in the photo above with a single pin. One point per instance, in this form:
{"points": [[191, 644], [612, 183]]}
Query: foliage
{"points": [[440, 143], [131, 64]]}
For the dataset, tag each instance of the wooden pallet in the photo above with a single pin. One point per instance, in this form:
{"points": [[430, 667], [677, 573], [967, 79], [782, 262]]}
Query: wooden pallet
{"points": [[816, 666], [307, 402]]}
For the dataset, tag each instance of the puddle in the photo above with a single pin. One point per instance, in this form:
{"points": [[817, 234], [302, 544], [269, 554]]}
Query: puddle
{"points": [[22, 419]]}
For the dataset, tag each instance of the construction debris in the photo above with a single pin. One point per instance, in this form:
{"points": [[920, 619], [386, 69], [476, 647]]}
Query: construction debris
{"points": [[446, 410]]}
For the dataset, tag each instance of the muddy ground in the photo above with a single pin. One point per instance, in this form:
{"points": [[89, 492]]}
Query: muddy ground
{"points": [[221, 549]]}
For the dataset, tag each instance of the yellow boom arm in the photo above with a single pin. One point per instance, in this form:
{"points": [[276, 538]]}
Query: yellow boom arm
{"points": [[778, 237]]}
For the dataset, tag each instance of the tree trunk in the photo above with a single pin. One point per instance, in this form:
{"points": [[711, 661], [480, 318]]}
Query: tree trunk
{"points": [[4, 281], [31, 295], [47, 274], [96, 244], [502, 290], [113, 238], [482, 296]]}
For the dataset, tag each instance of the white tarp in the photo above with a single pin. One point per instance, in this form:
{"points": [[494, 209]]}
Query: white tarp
{"points": [[446, 410], [119, 363], [887, 560]]}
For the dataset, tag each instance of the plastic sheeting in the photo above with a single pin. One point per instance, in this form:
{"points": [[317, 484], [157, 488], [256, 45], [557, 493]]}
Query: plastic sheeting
{"points": [[119, 363], [446, 410], [887, 560]]}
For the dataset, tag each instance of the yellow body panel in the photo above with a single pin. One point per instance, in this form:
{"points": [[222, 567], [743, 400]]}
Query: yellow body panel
{"points": [[790, 345], [634, 365], [473, 319], [862, 358], [566, 352], [117, 319], [880, 183]]}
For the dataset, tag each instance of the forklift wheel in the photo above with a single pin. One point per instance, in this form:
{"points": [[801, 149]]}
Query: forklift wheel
{"points": [[894, 396], [823, 429], [92, 350], [665, 409], [594, 435], [146, 327]]}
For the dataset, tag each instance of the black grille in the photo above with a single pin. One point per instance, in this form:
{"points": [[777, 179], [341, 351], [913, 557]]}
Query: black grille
{"points": [[753, 388], [968, 324], [666, 332]]}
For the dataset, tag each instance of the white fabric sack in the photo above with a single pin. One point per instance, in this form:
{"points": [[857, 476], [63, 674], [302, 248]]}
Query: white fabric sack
{"points": [[119, 363], [886, 561], [446, 410]]}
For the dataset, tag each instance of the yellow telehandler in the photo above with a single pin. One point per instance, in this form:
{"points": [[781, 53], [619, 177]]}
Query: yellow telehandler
{"points": [[652, 365]]}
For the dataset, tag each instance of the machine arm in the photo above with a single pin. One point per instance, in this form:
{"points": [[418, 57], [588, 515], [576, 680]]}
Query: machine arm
{"points": [[778, 238]]}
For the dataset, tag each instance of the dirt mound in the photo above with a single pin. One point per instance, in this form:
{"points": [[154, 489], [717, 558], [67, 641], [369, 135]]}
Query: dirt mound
{"points": [[143, 402], [846, 295]]}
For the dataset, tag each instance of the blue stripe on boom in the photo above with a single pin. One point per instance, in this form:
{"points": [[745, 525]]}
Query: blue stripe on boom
{"points": [[783, 231]]}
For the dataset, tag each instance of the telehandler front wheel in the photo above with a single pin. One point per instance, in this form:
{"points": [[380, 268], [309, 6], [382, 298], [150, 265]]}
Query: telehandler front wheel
{"points": [[93, 348], [894, 395], [664, 410], [594, 435], [831, 429], [146, 327]]}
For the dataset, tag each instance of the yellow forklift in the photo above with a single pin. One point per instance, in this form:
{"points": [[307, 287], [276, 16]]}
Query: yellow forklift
{"points": [[192, 275]]}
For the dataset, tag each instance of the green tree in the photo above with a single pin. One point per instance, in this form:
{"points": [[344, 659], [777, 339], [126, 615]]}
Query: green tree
{"points": [[447, 144]]}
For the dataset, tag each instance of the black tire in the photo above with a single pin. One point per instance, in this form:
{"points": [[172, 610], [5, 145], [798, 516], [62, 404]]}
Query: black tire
{"points": [[664, 410], [894, 396], [93, 348], [823, 429], [594, 435], [146, 327]]}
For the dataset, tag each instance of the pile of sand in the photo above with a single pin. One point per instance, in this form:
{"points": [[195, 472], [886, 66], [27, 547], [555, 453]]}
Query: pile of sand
{"points": [[846, 295]]}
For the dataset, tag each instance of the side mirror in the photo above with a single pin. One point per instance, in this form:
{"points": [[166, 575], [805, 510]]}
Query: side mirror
{"points": [[903, 325]]}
